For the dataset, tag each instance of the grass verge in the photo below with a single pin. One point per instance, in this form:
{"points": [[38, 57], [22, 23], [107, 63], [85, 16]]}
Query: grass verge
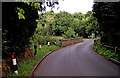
{"points": [[24, 68], [78, 41], [89, 38]]}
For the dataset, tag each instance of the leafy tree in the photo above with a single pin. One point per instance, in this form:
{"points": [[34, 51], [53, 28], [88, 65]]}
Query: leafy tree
{"points": [[108, 16], [78, 15], [49, 21], [70, 34], [19, 23], [62, 22], [80, 23], [91, 24]]}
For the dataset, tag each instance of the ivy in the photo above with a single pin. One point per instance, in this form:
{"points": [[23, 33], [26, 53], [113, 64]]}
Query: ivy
{"points": [[21, 16], [20, 13]]}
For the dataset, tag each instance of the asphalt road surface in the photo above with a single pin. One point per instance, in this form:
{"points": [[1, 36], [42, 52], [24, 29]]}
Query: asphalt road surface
{"points": [[77, 60]]}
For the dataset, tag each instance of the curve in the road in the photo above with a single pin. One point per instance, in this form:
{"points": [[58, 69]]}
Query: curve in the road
{"points": [[77, 60]]}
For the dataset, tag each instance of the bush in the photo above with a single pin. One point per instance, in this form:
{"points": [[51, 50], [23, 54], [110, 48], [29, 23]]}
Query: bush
{"points": [[70, 34], [59, 44], [64, 45], [28, 53], [106, 52], [5, 67]]}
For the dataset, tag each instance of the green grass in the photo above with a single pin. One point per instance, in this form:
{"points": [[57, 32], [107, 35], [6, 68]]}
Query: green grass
{"points": [[78, 41], [25, 68], [64, 45], [89, 38]]}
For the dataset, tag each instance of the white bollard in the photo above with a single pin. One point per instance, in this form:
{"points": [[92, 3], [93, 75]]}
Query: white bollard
{"points": [[55, 41], [40, 44], [48, 42], [16, 71], [14, 64]]}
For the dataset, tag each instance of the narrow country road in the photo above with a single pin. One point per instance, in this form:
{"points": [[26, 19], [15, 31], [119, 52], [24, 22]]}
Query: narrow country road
{"points": [[77, 60]]}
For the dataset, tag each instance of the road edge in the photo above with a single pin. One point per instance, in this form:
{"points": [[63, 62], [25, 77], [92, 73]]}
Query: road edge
{"points": [[46, 56], [41, 61], [108, 58], [113, 60]]}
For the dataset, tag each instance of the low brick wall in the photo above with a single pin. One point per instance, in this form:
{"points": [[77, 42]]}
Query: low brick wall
{"points": [[68, 41]]}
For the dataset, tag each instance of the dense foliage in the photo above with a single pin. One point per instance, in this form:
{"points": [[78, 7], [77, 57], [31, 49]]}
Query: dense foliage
{"points": [[66, 24], [70, 33], [106, 51], [19, 23], [108, 16], [24, 25]]}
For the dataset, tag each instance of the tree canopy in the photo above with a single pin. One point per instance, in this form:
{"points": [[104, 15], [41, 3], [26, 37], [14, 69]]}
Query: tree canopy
{"points": [[108, 16], [19, 24], [58, 24], [22, 24]]}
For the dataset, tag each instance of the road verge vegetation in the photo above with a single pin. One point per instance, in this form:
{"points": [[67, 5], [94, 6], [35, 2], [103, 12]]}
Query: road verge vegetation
{"points": [[26, 66], [78, 41], [107, 52]]}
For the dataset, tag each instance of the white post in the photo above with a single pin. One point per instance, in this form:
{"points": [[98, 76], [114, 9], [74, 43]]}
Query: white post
{"points": [[55, 41], [48, 42], [40, 44], [14, 64]]}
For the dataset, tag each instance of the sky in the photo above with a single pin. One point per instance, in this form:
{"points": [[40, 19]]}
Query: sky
{"points": [[73, 6]]}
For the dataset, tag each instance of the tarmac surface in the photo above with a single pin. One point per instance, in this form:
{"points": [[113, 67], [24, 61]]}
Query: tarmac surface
{"points": [[77, 60]]}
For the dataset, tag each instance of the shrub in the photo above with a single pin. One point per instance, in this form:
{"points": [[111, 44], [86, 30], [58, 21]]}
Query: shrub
{"points": [[64, 45], [106, 52], [5, 67], [28, 53], [70, 34], [59, 44]]}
